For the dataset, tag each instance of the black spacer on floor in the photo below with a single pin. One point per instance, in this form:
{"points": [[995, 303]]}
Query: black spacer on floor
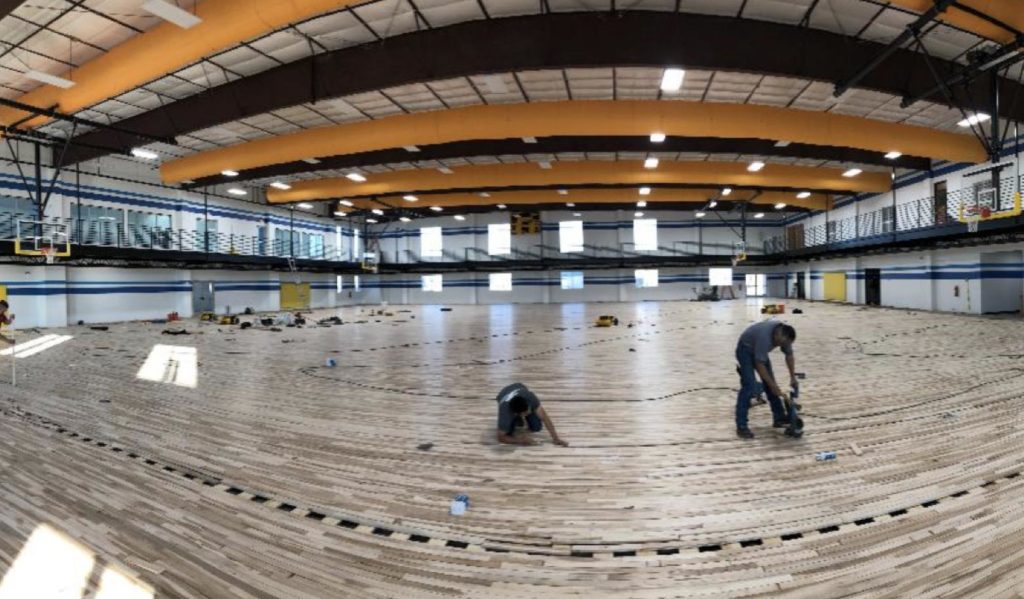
{"points": [[348, 524], [792, 536], [624, 553], [751, 543], [669, 551], [863, 521], [382, 532], [707, 548], [286, 507], [930, 503], [959, 494], [423, 539], [315, 516], [234, 490], [896, 513], [258, 499], [457, 544]]}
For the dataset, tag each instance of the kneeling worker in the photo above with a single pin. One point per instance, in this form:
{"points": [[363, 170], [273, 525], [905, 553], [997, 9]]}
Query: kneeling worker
{"points": [[752, 355], [519, 407]]}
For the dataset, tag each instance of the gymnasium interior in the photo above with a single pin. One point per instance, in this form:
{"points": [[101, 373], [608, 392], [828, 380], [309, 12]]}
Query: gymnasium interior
{"points": [[271, 266]]}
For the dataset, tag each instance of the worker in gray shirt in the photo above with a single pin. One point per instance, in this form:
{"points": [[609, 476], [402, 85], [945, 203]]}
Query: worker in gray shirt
{"points": [[752, 355], [519, 407]]}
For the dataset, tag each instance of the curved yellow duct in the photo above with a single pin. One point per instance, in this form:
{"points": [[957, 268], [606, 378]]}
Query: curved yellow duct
{"points": [[490, 177], [167, 48], [1010, 12], [581, 196], [582, 117]]}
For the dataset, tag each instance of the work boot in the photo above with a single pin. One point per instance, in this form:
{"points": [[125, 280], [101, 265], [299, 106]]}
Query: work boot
{"points": [[780, 424], [744, 433]]}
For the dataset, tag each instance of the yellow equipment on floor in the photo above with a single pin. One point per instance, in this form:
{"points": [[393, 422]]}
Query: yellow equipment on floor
{"points": [[205, 316], [228, 320], [773, 309], [606, 321]]}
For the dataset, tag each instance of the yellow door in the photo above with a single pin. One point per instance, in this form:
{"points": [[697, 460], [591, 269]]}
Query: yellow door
{"points": [[835, 287], [294, 296]]}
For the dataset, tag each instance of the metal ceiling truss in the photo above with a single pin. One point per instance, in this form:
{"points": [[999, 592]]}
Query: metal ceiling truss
{"points": [[550, 41]]}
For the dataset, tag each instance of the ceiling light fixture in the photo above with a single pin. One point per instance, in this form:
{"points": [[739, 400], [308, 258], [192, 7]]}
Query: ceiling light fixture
{"points": [[672, 80], [340, 213], [50, 79], [577, 214], [893, 155], [570, 205], [529, 140], [378, 211], [651, 162], [638, 214], [645, 191], [657, 137], [712, 204], [411, 148], [544, 164], [726, 191], [803, 195], [700, 214], [358, 178], [782, 143], [304, 205], [229, 173], [237, 191], [404, 219], [563, 192], [780, 205], [436, 208], [345, 202], [144, 154], [459, 217], [311, 161], [372, 221], [755, 166], [502, 206], [280, 185], [759, 215], [974, 119], [444, 170], [410, 198], [171, 13], [853, 172], [641, 204], [484, 194]]}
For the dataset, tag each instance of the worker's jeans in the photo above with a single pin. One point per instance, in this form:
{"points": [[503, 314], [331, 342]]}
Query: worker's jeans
{"points": [[749, 389]]}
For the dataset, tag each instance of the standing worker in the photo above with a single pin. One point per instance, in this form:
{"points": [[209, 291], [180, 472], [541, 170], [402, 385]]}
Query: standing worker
{"points": [[519, 407], [752, 355]]}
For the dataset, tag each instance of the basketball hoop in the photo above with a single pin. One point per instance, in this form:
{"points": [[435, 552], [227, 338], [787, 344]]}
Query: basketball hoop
{"points": [[972, 226]]}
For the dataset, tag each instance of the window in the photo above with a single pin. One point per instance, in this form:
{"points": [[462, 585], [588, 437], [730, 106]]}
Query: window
{"points": [[572, 280], [355, 282], [646, 278], [430, 242], [339, 284], [720, 277], [432, 283], [645, 234], [755, 285], [570, 236], [501, 281], [499, 239]]}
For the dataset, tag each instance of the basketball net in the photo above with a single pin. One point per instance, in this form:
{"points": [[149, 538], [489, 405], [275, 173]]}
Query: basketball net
{"points": [[50, 253]]}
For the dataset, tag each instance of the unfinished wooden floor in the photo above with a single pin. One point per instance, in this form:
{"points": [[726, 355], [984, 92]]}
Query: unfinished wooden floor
{"points": [[279, 477]]}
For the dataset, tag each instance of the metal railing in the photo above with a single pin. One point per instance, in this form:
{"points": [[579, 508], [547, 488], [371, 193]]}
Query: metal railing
{"points": [[916, 215]]}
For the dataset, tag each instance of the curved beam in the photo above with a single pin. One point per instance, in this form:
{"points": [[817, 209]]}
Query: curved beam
{"points": [[576, 144], [495, 177], [586, 117], [548, 41], [1010, 12], [583, 197], [165, 49]]}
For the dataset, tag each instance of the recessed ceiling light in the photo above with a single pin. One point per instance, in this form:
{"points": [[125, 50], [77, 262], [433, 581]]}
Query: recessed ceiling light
{"points": [[229, 173], [371, 221], [726, 191], [171, 13], [782, 143], [803, 194], [311, 161], [641, 204], [700, 214], [544, 164], [755, 166], [237, 191], [358, 178], [378, 211], [759, 215], [304, 205], [340, 213], [576, 214], [501, 206], [657, 137], [145, 154], [410, 198], [563, 192], [638, 214], [974, 119], [484, 194], [780, 205], [645, 191], [712, 204], [404, 219], [853, 172], [280, 185], [530, 140], [459, 217], [436, 208], [411, 148], [345, 202], [672, 80], [570, 204], [50, 79], [893, 155], [651, 163], [444, 170]]}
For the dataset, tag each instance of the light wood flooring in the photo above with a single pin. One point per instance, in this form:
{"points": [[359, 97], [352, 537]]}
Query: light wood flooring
{"points": [[280, 477]]}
